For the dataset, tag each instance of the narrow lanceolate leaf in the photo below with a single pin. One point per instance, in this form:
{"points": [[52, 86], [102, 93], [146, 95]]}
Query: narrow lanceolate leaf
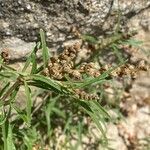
{"points": [[29, 102], [99, 109], [90, 39], [21, 113], [133, 42], [8, 67], [29, 60], [97, 113], [8, 136], [118, 53], [34, 63], [4, 89], [45, 52], [47, 83], [90, 81], [9, 74], [10, 144], [2, 118], [93, 116], [14, 94]]}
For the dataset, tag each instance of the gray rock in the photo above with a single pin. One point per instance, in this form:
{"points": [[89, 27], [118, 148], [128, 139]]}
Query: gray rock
{"points": [[24, 18], [16, 48]]}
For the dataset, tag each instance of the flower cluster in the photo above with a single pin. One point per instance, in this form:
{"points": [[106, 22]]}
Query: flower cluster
{"points": [[84, 95], [64, 64], [5, 55]]}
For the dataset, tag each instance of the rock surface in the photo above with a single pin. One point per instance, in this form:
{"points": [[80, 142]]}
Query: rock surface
{"points": [[24, 18], [16, 48]]}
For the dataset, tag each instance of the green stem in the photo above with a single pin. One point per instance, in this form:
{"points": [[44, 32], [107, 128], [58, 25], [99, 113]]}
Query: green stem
{"points": [[4, 135]]}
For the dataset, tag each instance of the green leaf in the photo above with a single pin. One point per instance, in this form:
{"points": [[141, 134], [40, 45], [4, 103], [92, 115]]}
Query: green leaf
{"points": [[98, 122], [99, 109], [118, 53], [4, 88], [30, 137], [34, 63], [10, 144], [48, 111], [4, 115], [47, 83], [90, 39], [8, 67], [29, 59], [84, 105], [5, 133], [2, 118], [97, 114], [9, 74], [133, 42], [29, 102], [8, 136], [59, 112], [45, 52], [99, 79], [21, 113], [14, 94], [39, 69], [67, 125]]}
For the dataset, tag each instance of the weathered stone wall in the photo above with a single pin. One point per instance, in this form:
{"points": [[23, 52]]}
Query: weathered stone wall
{"points": [[23, 18]]}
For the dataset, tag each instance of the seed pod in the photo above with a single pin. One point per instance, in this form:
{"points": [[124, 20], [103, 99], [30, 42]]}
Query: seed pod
{"points": [[142, 65], [54, 59], [90, 71], [63, 56], [72, 50], [82, 94], [77, 46], [67, 69], [56, 66], [58, 76], [5, 55], [50, 64], [96, 74], [82, 66], [76, 74], [45, 72], [72, 56], [63, 62]]}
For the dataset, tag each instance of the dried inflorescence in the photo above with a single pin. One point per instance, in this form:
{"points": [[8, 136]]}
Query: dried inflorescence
{"points": [[84, 95], [130, 70], [125, 70], [143, 65], [62, 65], [5, 55], [90, 69], [75, 31]]}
